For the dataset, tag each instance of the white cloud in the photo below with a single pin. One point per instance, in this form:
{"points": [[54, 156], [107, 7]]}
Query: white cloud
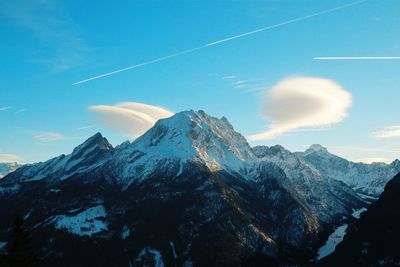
{"points": [[9, 158], [20, 111], [129, 118], [229, 77], [372, 160], [47, 137], [4, 108], [303, 102], [388, 132], [85, 127]]}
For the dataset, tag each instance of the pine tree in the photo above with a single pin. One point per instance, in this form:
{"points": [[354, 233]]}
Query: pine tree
{"points": [[3, 259], [20, 251]]}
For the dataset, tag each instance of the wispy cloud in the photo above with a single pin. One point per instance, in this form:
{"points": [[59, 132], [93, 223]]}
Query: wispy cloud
{"points": [[303, 102], [20, 110], [85, 127], [4, 108], [47, 137], [224, 40], [388, 132], [49, 23], [129, 118], [357, 58], [253, 86], [228, 77], [9, 158]]}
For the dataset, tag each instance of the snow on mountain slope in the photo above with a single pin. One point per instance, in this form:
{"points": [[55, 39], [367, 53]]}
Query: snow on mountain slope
{"points": [[366, 178], [188, 135], [190, 179], [85, 223], [87, 156], [308, 185], [7, 167]]}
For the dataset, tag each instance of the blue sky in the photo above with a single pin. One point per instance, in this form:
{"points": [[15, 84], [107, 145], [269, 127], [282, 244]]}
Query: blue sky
{"points": [[46, 46]]}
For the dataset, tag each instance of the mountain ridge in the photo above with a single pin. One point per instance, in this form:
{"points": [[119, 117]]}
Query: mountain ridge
{"points": [[188, 180]]}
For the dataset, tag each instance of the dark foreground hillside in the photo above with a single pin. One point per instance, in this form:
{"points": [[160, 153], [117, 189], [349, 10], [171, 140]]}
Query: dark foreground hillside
{"points": [[375, 239]]}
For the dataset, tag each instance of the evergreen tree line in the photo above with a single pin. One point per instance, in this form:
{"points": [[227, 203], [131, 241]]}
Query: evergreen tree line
{"points": [[19, 251]]}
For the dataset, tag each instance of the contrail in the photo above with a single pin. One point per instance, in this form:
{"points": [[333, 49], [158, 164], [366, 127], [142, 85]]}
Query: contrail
{"points": [[140, 65], [223, 41], [357, 58]]}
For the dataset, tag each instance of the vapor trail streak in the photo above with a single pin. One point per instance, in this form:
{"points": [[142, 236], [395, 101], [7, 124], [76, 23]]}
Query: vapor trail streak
{"points": [[357, 58], [140, 65], [223, 41]]}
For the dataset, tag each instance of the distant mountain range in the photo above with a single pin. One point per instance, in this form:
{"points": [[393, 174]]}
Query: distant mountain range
{"points": [[369, 179], [7, 167], [189, 192]]}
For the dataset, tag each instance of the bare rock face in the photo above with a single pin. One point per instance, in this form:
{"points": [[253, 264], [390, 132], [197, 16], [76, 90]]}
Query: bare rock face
{"points": [[367, 179]]}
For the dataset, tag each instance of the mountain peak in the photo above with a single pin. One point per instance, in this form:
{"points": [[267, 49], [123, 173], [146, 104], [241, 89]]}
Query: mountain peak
{"points": [[96, 140], [195, 134], [316, 148], [265, 151], [396, 164]]}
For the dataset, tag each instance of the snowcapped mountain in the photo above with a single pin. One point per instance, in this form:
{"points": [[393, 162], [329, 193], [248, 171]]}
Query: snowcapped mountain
{"points": [[7, 167], [190, 191], [87, 156], [306, 183], [187, 136], [367, 179]]}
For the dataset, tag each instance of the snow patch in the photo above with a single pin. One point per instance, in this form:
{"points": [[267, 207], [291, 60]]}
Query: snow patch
{"points": [[54, 190], [173, 249], [333, 240], [188, 264], [125, 232], [26, 216], [2, 244], [85, 223], [146, 253], [357, 213]]}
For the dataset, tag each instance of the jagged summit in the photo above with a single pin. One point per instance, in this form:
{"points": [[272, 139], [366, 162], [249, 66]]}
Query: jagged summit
{"points": [[7, 167], [194, 134], [272, 151], [316, 148], [95, 141], [395, 164], [85, 157]]}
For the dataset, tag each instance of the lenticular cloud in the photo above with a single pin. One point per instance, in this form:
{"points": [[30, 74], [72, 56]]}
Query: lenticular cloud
{"points": [[129, 118], [303, 102]]}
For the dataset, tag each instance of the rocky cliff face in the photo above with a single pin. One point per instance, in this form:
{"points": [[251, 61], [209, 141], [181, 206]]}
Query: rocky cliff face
{"points": [[369, 179]]}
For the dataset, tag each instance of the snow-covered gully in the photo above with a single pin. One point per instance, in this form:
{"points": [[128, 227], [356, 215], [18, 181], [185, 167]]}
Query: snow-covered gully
{"points": [[336, 237]]}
